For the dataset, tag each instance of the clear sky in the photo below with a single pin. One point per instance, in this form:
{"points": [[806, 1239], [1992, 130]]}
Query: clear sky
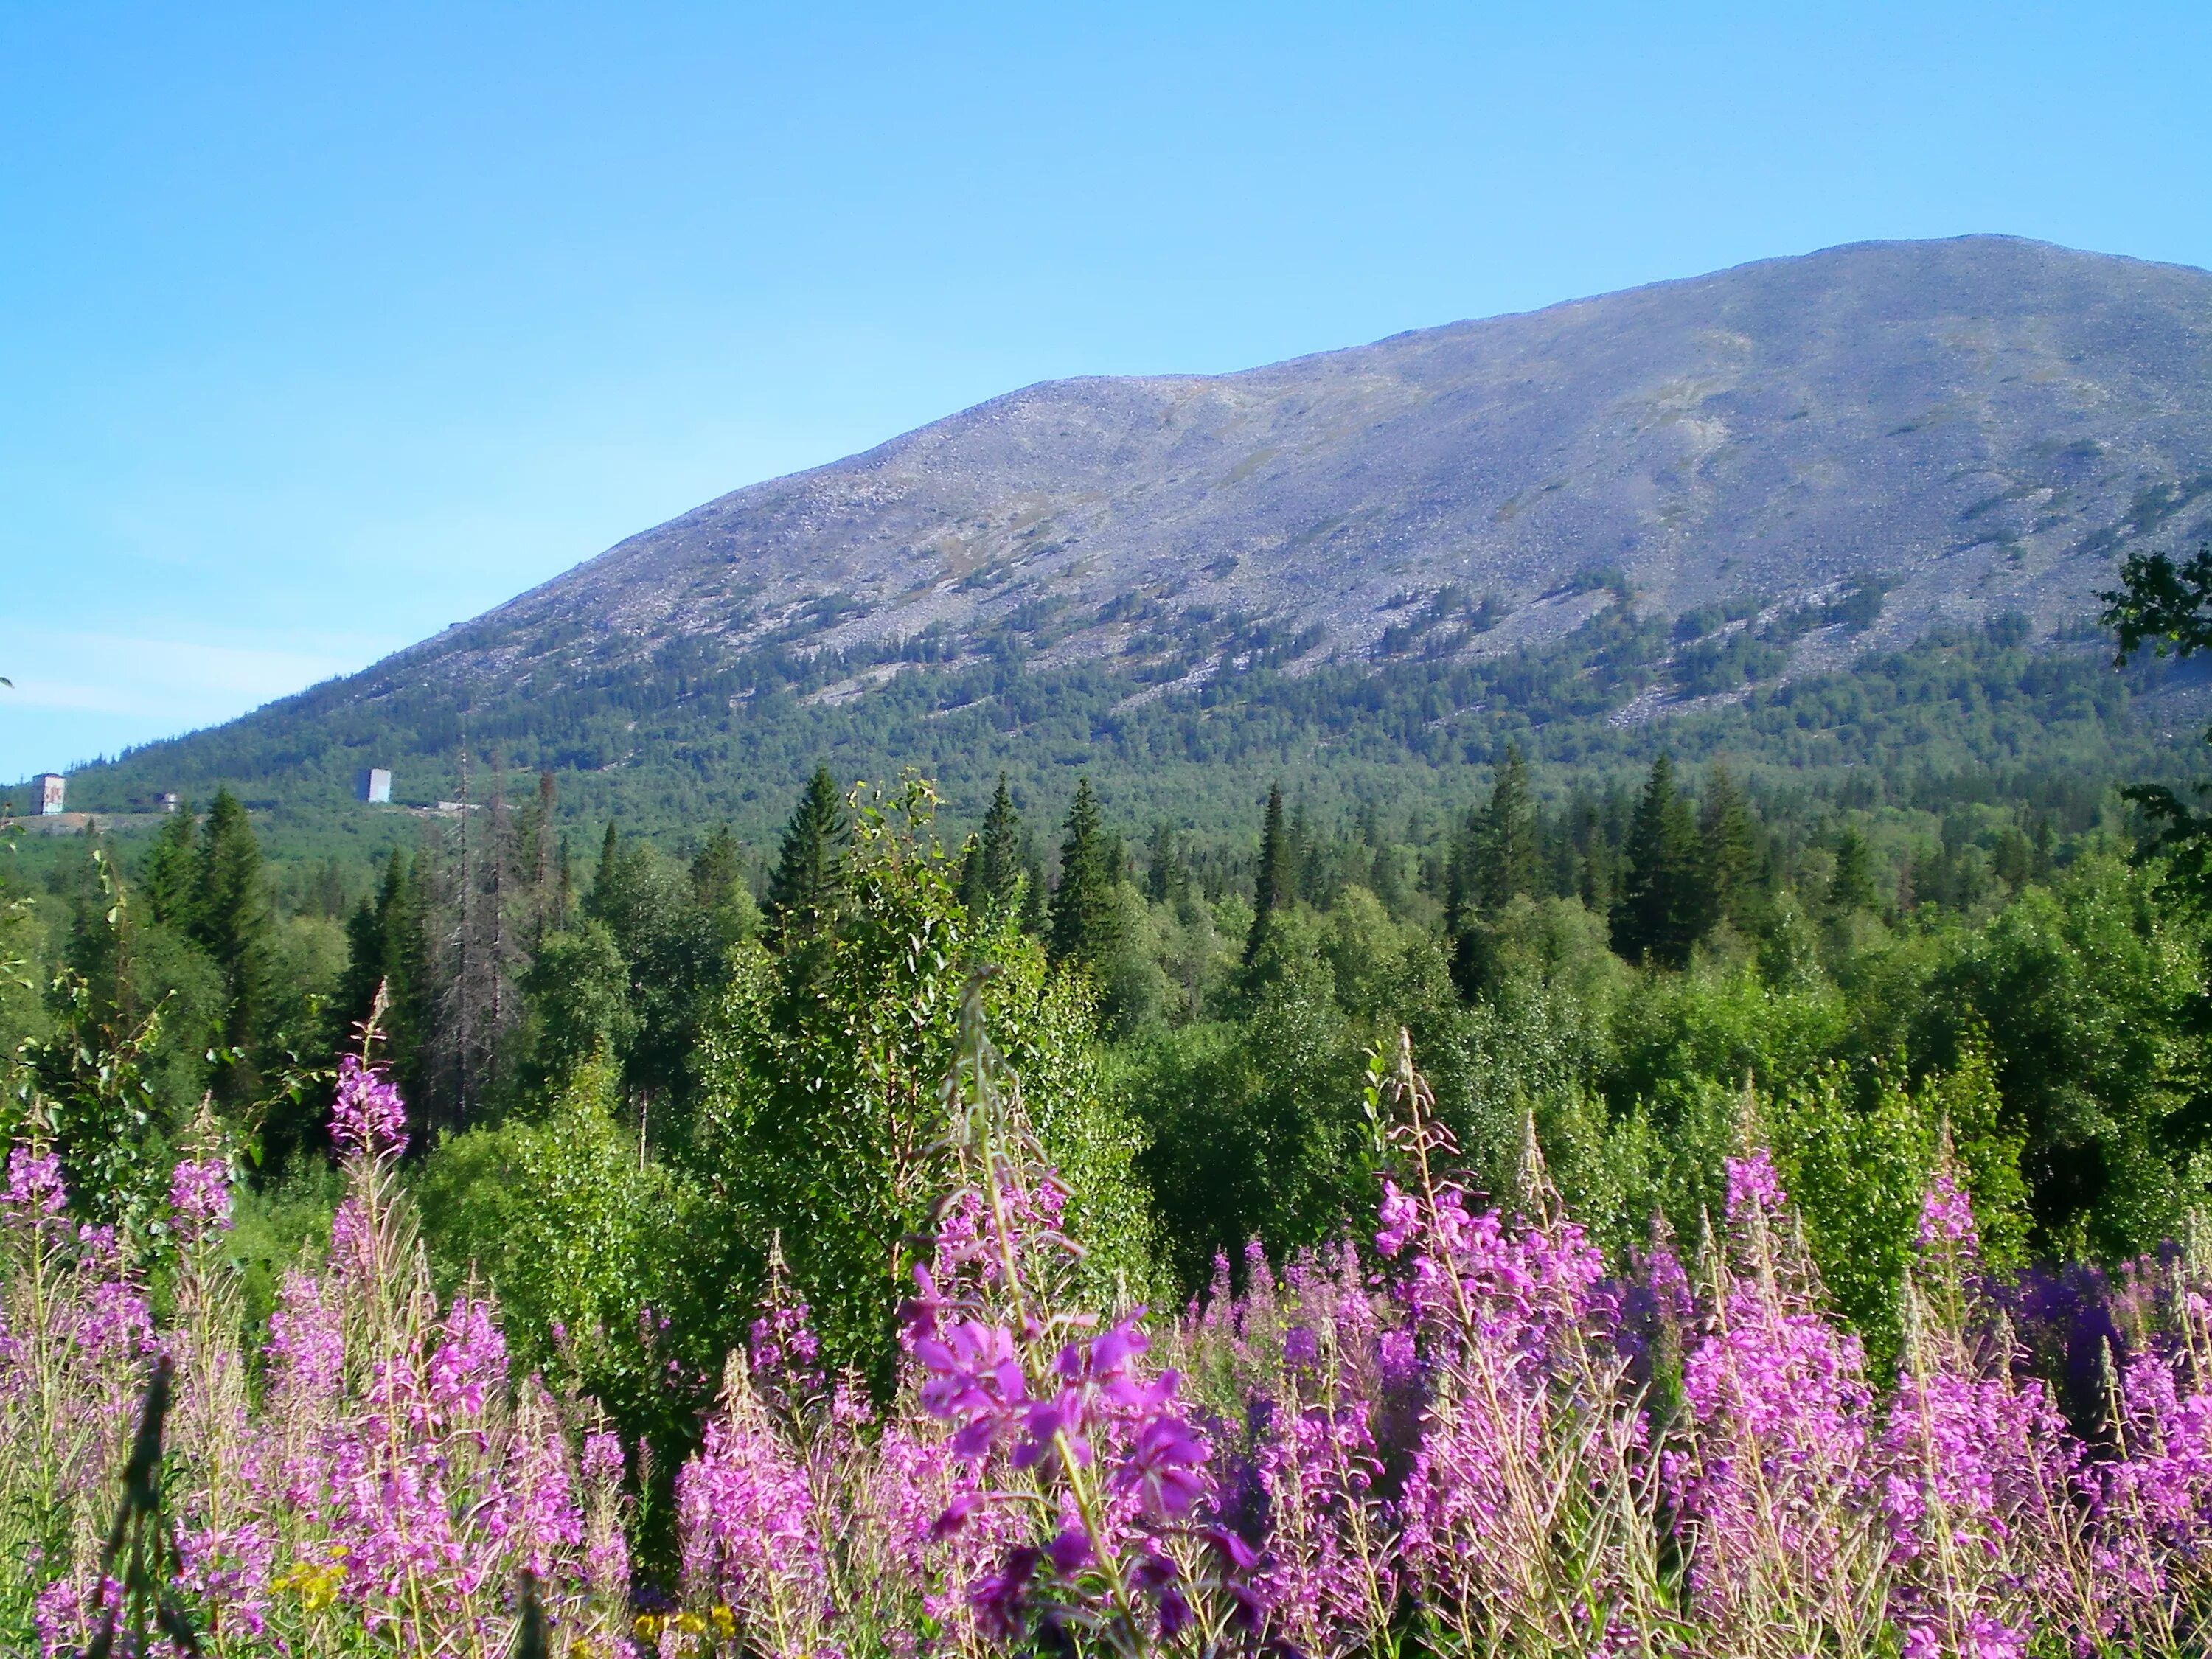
{"points": [[324, 326]]}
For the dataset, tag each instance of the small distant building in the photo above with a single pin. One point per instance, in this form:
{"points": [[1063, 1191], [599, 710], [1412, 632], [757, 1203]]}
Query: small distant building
{"points": [[166, 802], [376, 786], [47, 789]]}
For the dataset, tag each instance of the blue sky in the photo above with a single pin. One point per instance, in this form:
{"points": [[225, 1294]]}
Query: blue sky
{"points": [[324, 326]]}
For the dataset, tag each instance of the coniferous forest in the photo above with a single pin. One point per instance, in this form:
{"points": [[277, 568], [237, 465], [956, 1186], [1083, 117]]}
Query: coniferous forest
{"points": [[748, 1242]]}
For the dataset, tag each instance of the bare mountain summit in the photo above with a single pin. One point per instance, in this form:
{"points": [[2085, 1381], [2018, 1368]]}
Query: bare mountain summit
{"points": [[1980, 422]]}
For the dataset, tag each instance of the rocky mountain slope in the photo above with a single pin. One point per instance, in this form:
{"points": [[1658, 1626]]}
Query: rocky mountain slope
{"points": [[1824, 455], [1981, 421]]}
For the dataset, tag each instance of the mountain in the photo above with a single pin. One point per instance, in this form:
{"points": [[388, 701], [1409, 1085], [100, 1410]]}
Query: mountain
{"points": [[1584, 527]]}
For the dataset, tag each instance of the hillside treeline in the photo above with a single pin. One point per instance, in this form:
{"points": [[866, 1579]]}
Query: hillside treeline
{"points": [[644, 1079], [694, 735]]}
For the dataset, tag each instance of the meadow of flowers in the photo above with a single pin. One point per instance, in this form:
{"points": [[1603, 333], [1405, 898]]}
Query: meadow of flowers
{"points": [[1465, 1433]]}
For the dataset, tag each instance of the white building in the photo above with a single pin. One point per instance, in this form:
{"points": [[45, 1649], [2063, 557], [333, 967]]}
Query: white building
{"points": [[48, 788], [376, 786]]}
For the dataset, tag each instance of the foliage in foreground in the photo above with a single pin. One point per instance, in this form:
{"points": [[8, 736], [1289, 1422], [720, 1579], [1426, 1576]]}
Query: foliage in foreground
{"points": [[375, 1482], [1480, 1437]]}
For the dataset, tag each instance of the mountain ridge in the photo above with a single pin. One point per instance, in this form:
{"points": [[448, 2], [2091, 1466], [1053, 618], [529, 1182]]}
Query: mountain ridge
{"points": [[880, 479], [1790, 463]]}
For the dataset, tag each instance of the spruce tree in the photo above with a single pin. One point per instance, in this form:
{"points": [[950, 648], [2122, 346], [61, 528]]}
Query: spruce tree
{"points": [[1302, 854], [1730, 849], [535, 864], [325, 891], [368, 959], [172, 866], [1507, 858], [604, 877], [719, 886], [1167, 878], [1460, 862], [487, 951], [564, 887], [1085, 917], [810, 870], [1277, 886], [100, 936], [1593, 880], [1660, 915], [387, 947], [230, 920], [716, 867], [1035, 920], [1597, 855], [1852, 887], [992, 872]]}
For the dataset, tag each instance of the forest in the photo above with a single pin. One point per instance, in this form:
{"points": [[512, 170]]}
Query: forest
{"points": [[1591, 1117], [677, 739]]}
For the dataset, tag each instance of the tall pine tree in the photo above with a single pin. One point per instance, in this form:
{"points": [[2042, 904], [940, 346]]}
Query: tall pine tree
{"points": [[1731, 851], [387, 947], [373, 955], [1662, 905], [990, 875], [1852, 887], [230, 920], [171, 881], [610, 870], [809, 869], [1035, 921], [1459, 874], [484, 953], [1277, 888], [1508, 859], [1084, 923], [716, 867], [535, 864], [1167, 875]]}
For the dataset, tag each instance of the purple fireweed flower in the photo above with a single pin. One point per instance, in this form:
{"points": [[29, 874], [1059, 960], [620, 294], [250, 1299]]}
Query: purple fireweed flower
{"points": [[1001, 1599], [117, 1323], [974, 1382], [1669, 1283], [68, 1611], [1238, 1554], [1319, 1577], [1777, 1470], [1047, 1424], [918, 1313], [781, 1351], [2165, 1482], [954, 1515], [306, 1349], [1947, 1216], [1971, 1465], [1069, 1550], [1400, 1216], [1398, 1359], [199, 1198], [34, 1183], [471, 1357], [1104, 1367], [1753, 1182], [1166, 1465], [746, 1514], [367, 1117], [543, 1524], [602, 1459], [1174, 1614], [101, 1249]]}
